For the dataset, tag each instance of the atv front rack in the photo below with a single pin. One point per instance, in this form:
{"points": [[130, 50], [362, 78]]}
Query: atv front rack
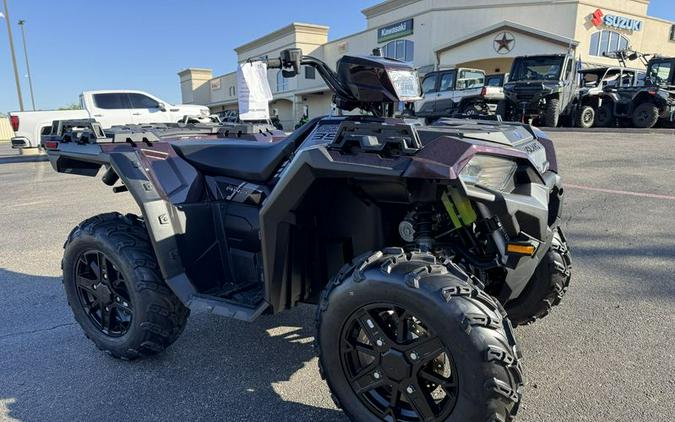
{"points": [[377, 136]]}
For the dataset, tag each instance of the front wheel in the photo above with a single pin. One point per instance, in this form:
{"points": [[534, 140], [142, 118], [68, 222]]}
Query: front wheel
{"points": [[586, 117], [546, 287], [503, 111], [115, 289], [604, 117], [403, 338], [552, 113], [474, 110]]}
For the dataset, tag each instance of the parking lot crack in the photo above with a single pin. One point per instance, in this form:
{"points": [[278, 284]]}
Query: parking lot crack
{"points": [[38, 330]]}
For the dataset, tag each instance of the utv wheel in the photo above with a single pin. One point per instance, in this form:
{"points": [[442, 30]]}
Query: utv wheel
{"points": [[586, 117], [645, 116], [473, 110], [402, 338], [502, 110], [604, 117], [552, 113], [546, 288], [115, 289]]}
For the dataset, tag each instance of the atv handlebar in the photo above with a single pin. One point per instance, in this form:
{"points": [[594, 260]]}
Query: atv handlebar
{"points": [[292, 59]]}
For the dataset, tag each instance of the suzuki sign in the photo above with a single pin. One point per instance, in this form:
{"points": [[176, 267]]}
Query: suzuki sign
{"points": [[619, 22]]}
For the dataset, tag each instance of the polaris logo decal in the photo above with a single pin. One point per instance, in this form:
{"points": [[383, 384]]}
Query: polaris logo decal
{"points": [[599, 18], [531, 147]]}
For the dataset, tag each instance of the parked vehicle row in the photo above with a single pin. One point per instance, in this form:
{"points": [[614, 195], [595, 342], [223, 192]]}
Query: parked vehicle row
{"points": [[108, 108], [553, 90]]}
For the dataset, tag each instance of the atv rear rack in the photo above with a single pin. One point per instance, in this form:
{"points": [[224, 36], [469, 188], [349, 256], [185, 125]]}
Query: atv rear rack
{"points": [[89, 131]]}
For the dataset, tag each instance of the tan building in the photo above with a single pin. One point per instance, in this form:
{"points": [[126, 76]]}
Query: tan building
{"points": [[485, 34]]}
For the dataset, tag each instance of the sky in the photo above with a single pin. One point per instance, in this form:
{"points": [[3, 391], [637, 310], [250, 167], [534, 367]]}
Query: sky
{"points": [[77, 45]]}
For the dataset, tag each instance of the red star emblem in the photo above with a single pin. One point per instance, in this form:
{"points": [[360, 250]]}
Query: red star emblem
{"points": [[504, 42]]}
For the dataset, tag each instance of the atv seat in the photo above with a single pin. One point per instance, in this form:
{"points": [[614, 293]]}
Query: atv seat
{"points": [[245, 160]]}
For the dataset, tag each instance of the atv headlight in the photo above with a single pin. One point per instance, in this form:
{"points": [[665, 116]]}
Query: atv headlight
{"points": [[406, 83], [489, 171]]}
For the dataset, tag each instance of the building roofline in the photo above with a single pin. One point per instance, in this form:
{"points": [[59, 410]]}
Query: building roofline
{"points": [[282, 32], [192, 69], [386, 6], [528, 30]]}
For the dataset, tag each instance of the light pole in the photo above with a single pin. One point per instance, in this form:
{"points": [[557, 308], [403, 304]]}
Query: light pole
{"points": [[11, 50], [25, 53]]}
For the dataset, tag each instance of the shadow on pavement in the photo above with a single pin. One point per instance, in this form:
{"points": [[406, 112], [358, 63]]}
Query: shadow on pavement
{"points": [[219, 369]]}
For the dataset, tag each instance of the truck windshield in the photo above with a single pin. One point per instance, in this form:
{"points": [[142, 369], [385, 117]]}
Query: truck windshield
{"points": [[659, 72], [537, 69]]}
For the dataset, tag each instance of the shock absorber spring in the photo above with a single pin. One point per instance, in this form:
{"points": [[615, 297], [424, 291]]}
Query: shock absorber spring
{"points": [[424, 224]]}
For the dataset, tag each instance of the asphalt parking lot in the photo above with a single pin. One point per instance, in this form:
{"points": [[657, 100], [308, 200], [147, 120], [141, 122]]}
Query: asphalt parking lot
{"points": [[606, 354]]}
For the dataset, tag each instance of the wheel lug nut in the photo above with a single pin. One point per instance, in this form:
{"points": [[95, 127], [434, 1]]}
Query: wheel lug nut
{"points": [[117, 299], [376, 375], [379, 343], [413, 356], [410, 389]]}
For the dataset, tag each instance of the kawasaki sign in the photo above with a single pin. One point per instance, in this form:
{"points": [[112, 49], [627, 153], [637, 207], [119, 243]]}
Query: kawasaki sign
{"points": [[619, 22], [395, 30]]}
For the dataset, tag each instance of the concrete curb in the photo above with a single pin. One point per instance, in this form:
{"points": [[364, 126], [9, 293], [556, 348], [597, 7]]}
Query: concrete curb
{"points": [[632, 131], [23, 159]]}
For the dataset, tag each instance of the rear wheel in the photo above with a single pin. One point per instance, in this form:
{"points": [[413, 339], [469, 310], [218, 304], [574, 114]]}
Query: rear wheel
{"points": [[402, 338], [586, 117], [552, 113], [645, 115], [115, 289], [546, 288]]}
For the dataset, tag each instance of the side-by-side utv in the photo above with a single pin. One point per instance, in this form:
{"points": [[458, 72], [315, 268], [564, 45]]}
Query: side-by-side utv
{"points": [[419, 244], [542, 89]]}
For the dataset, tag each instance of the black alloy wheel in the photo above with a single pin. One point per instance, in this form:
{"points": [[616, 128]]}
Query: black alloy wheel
{"points": [[103, 293], [115, 288], [402, 338], [397, 366]]}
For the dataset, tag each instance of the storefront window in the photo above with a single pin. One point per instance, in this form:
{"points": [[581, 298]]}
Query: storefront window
{"points": [[403, 50], [282, 83], [604, 42]]}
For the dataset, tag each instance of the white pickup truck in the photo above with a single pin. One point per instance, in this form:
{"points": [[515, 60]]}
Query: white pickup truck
{"points": [[109, 108]]}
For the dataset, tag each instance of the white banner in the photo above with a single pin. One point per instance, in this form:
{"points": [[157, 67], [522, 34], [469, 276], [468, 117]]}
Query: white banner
{"points": [[254, 91]]}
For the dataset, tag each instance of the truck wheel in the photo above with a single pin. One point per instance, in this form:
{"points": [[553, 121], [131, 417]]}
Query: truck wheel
{"points": [[546, 288], [402, 338], [552, 113], [604, 117], [645, 115], [586, 117], [115, 289]]}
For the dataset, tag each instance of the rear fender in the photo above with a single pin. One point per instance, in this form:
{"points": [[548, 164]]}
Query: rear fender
{"points": [[163, 219]]}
